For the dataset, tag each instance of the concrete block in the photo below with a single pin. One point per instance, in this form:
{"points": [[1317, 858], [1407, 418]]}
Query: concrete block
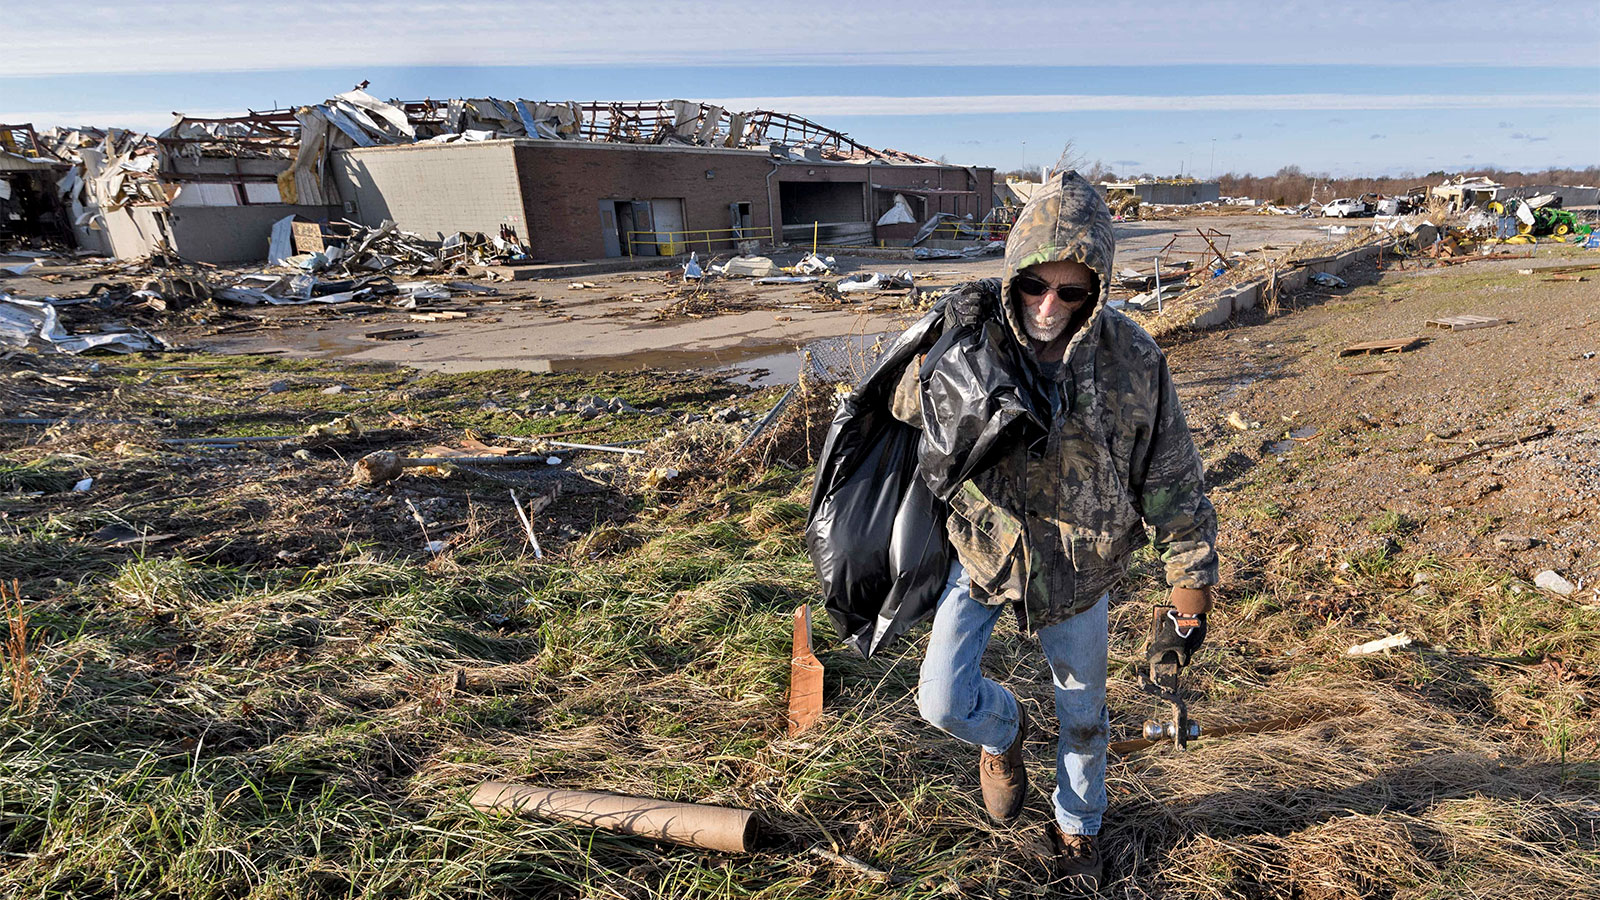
{"points": [[1246, 296], [1220, 311], [1293, 280]]}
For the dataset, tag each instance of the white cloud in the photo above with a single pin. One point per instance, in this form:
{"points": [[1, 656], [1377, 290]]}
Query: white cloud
{"points": [[149, 121], [1069, 103], [236, 35]]}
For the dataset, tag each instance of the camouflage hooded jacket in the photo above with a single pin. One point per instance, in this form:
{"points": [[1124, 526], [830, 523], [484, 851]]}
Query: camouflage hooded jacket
{"points": [[1051, 527]]}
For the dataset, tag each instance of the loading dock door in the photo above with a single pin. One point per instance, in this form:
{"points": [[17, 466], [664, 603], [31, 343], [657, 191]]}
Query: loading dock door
{"points": [[669, 226], [834, 211]]}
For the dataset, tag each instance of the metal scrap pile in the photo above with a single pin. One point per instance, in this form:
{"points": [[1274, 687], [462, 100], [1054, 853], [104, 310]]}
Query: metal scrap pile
{"points": [[350, 249]]}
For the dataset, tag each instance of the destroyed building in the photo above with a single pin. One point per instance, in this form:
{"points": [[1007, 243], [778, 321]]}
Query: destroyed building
{"points": [[564, 181], [1163, 191], [29, 175]]}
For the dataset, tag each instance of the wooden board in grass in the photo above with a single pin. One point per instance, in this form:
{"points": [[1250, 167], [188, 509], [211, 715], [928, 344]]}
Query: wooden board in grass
{"points": [[805, 676], [1388, 345], [1464, 322]]}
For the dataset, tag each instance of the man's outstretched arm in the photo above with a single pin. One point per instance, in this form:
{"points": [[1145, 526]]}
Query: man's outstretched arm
{"points": [[1169, 486]]}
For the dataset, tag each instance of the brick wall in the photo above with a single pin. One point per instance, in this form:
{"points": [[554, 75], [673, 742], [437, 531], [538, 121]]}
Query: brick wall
{"points": [[950, 189], [433, 190], [563, 185]]}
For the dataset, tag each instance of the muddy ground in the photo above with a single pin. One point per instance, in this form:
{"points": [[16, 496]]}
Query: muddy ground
{"points": [[1358, 453], [630, 320]]}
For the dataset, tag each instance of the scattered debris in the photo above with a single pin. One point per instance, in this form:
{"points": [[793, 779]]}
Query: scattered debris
{"points": [[1238, 421], [377, 467], [850, 862], [527, 526], [1430, 468], [26, 323], [119, 535], [1391, 345], [1464, 322], [1514, 542], [805, 676], [990, 248], [690, 824], [1328, 280], [655, 477], [1554, 583], [811, 265], [344, 426], [393, 334], [748, 267], [1392, 642], [1155, 300], [874, 281], [609, 448]]}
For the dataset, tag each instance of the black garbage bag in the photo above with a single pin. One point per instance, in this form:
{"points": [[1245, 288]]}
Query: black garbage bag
{"points": [[979, 398], [876, 534]]}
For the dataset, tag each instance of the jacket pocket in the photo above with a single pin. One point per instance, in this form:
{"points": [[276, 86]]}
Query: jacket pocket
{"points": [[1100, 562], [988, 541]]}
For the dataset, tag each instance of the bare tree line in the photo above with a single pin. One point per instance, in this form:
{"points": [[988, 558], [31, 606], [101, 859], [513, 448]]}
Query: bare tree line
{"points": [[1291, 185]]}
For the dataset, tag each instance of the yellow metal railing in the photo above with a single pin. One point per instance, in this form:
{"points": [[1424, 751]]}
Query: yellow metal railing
{"points": [[962, 231], [672, 243]]}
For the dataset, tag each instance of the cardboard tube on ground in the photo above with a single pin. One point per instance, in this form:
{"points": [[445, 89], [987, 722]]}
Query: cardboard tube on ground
{"points": [[690, 824]]}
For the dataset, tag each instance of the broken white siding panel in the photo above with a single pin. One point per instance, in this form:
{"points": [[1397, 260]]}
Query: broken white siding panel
{"points": [[262, 192], [202, 193], [351, 129], [384, 121], [306, 179]]}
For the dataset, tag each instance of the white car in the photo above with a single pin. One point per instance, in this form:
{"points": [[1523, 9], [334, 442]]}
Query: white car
{"points": [[1344, 208]]}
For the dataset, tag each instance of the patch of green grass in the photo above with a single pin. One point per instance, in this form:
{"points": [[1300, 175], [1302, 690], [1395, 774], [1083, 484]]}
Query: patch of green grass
{"points": [[1391, 522], [50, 474]]}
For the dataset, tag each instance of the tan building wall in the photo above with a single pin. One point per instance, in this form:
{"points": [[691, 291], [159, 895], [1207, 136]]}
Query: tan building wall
{"points": [[433, 190]]}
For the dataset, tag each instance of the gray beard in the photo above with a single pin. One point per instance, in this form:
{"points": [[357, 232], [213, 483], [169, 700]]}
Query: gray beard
{"points": [[1044, 334]]}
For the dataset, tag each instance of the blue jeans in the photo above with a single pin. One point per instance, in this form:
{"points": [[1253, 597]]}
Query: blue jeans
{"points": [[956, 698]]}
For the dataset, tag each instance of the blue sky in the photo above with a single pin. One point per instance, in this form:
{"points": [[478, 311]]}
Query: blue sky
{"points": [[1208, 86]]}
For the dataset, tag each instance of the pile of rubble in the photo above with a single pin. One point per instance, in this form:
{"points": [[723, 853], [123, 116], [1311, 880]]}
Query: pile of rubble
{"points": [[349, 249]]}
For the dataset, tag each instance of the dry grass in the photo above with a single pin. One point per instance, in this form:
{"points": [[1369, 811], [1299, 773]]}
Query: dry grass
{"points": [[16, 666], [207, 725]]}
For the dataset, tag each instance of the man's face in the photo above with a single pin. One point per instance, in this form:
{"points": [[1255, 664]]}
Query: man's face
{"points": [[1045, 312]]}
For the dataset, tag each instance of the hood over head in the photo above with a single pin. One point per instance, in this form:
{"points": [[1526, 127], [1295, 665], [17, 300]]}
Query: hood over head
{"points": [[1066, 219]]}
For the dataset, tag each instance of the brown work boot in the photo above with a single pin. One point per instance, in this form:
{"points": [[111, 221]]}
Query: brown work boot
{"points": [[1079, 866], [1003, 777]]}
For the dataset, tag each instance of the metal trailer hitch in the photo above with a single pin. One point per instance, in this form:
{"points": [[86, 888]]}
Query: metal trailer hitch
{"points": [[1162, 681]]}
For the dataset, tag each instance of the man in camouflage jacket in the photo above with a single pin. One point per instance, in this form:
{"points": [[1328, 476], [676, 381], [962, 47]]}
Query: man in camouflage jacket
{"points": [[1049, 527]]}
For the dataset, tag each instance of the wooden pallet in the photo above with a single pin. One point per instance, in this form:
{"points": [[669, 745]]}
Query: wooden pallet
{"points": [[1462, 323], [1391, 345], [393, 334]]}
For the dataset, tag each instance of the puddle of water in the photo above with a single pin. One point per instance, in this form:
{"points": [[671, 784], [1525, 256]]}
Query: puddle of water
{"points": [[339, 346], [1232, 390], [1293, 439], [837, 358]]}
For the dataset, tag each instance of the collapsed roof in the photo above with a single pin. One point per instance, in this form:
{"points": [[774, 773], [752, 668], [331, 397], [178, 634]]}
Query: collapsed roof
{"points": [[117, 167]]}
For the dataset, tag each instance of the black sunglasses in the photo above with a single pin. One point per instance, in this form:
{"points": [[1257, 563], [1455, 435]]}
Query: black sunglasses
{"points": [[1034, 286]]}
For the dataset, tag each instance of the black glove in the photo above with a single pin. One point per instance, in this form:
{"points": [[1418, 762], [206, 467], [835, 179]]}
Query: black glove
{"points": [[972, 302], [1175, 634]]}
